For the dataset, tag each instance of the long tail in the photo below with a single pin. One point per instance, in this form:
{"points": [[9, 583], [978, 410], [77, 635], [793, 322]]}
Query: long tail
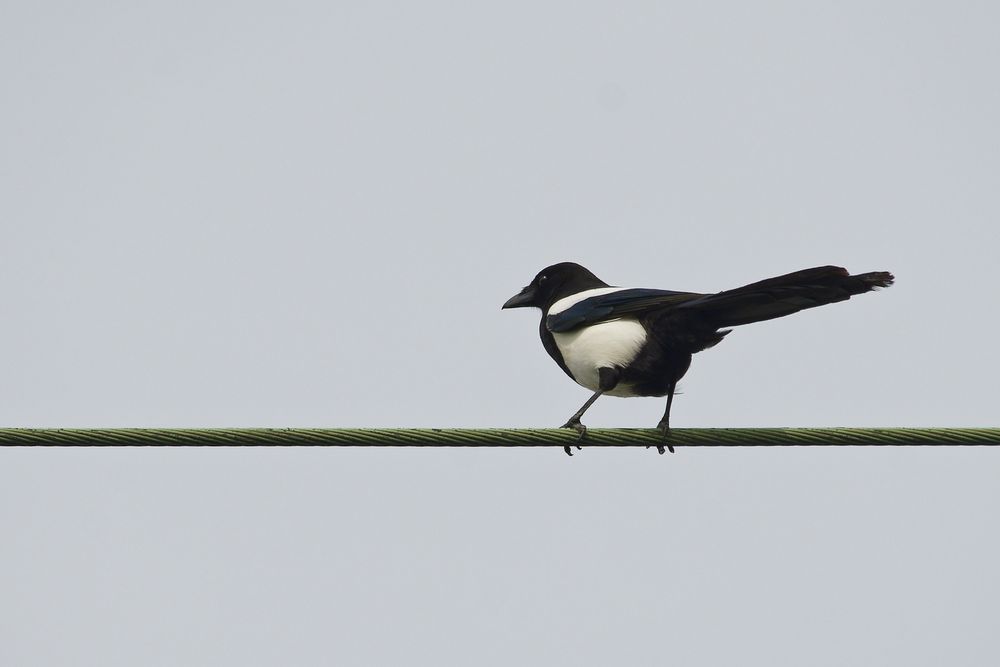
{"points": [[784, 295]]}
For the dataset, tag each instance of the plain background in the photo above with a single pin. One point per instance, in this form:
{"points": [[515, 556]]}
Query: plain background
{"points": [[308, 214]]}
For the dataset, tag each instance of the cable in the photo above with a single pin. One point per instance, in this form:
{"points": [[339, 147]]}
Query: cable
{"points": [[452, 437]]}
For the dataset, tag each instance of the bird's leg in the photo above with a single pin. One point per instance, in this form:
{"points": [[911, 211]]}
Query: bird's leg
{"points": [[607, 379], [664, 425], [574, 421]]}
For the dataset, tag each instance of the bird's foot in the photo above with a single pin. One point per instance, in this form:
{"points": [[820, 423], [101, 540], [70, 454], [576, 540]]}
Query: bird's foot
{"points": [[579, 428], [665, 430]]}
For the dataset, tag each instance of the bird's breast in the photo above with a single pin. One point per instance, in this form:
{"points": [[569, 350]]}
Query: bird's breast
{"points": [[611, 344]]}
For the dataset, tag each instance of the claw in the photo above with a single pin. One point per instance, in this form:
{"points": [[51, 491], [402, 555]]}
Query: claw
{"points": [[665, 430], [579, 428]]}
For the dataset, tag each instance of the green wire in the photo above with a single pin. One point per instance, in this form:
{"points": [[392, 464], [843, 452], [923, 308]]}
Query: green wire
{"points": [[452, 437]]}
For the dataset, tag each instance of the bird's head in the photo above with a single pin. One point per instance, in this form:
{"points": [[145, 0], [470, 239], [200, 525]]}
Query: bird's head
{"points": [[553, 283]]}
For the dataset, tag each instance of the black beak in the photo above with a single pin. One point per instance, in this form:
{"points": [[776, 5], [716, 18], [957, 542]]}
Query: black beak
{"points": [[523, 299]]}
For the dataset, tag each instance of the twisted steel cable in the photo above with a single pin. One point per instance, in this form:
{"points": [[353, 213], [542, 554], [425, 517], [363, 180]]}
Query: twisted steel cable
{"points": [[457, 437]]}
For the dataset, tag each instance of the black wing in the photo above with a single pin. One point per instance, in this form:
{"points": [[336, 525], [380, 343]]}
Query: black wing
{"points": [[627, 302]]}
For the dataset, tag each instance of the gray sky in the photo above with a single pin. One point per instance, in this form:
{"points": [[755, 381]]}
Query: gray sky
{"points": [[308, 214]]}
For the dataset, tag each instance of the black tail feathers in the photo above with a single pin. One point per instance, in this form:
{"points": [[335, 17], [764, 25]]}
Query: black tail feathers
{"points": [[787, 294], [876, 279]]}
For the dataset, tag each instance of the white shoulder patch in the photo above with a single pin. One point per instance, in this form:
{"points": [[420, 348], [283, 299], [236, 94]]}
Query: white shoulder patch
{"points": [[573, 299]]}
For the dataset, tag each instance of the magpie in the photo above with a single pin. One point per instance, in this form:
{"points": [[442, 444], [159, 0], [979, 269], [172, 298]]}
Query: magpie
{"points": [[624, 341]]}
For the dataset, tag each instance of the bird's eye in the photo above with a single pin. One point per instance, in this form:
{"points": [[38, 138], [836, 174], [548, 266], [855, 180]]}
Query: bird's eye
{"points": [[542, 278]]}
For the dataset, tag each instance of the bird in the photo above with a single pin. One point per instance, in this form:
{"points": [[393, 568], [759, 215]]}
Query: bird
{"points": [[626, 342]]}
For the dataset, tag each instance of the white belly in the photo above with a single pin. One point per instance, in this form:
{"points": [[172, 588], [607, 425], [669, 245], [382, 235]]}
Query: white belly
{"points": [[608, 344]]}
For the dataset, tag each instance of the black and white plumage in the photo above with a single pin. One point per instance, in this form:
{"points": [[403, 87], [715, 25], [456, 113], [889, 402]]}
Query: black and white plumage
{"points": [[638, 342]]}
